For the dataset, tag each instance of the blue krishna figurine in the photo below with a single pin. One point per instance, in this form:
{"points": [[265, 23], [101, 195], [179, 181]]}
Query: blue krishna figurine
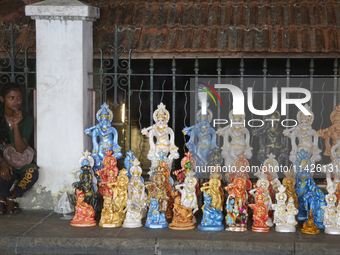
{"points": [[212, 217], [155, 219], [108, 137]]}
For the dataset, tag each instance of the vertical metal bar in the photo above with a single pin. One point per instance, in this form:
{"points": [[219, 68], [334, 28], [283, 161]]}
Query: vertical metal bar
{"points": [[129, 98], [241, 73], [287, 81], [151, 88], [115, 81], [335, 69], [93, 108], [35, 118], [173, 94], [264, 84], [101, 71], [196, 89], [219, 71], [311, 85], [26, 82], [11, 42]]}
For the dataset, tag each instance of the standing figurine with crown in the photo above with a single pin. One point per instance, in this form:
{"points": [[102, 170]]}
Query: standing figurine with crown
{"points": [[260, 215], [202, 139], [108, 137], [284, 215], [236, 139], [86, 183], [165, 138], [137, 202], [331, 214], [263, 185], [332, 170], [307, 137], [271, 139], [332, 132]]}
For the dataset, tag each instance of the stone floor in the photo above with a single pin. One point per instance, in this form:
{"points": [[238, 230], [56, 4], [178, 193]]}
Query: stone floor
{"points": [[43, 232]]}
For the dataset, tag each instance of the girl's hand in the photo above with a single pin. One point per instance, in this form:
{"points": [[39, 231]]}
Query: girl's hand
{"points": [[6, 170], [17, 117]]}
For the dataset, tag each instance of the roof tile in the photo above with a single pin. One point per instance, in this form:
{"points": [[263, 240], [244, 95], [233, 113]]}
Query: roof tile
{"points": [[332, 44], [320, 44], [266, 19], [214, 39], [292, 39], [292, 15], [163, 16], [175, 38], [266, 42], [251, 40], [318, 19], [240, 40], [227, 16], [190, 17], [279, 14], [254, 15], [331, 16], [188, 38], [240, 16], [214, 18], [200, 39], [305, 15], [140, 15], [224, 39], [278, 40], [305, 40], [203, 15]]}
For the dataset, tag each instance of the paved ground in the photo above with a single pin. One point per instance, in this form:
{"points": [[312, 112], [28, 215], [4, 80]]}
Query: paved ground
{"points": [[43, 232]]}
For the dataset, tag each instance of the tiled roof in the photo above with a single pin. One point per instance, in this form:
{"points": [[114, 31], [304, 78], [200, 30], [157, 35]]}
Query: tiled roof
{"points": [[211, 26]]}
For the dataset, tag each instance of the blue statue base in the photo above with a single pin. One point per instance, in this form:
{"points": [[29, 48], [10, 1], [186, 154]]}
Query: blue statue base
{"points": [[157, 225], [210, 228], [320, 225]]}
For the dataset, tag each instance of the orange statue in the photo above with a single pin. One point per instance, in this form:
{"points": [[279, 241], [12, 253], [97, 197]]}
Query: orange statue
{"points": [[260, 215], [84, 215], [182, 218], [238, 189], [289, 183], [108, 174], [309, 227], [163, 169], [157, 190], [332, 132]]}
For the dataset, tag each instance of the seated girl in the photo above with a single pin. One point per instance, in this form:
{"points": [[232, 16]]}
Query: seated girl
{"points": [[15, 130]]}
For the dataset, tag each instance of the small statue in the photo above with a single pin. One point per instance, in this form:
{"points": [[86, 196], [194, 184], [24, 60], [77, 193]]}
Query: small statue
{"points": [[284, 215], [161, 132], [332, 170], [155, 218], [214, 189], [212, 217], [271, 140], [120, 194], [84, 215], [108, 175], [332, 132], [238, 190], [307, 137], [236, 219], [87, 160], [188, 164], [85, 183], [215, 157], [136, 188], [263, 184], [236, 139], [289, 183], [202, 139], [157, 190], [109, 218], [134, 215], [240, 164], [188, 192], [260, 215], [271, 166], [331, 214], [128, 162], [182, 218], [108, 137], [309, 227], [163, 169]]}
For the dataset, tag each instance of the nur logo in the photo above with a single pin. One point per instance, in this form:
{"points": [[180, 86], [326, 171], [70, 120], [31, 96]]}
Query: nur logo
{"points": [[203, 97]]}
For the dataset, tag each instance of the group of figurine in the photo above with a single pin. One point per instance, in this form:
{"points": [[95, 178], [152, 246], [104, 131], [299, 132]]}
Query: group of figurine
{"points": [[298, 198]]}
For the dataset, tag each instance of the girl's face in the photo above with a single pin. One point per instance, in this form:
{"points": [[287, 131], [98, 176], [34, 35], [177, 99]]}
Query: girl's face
{"points": [[12, 100]]}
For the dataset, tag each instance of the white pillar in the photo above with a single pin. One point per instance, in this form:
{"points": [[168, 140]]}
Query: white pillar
{"points": [[64, 54]]}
